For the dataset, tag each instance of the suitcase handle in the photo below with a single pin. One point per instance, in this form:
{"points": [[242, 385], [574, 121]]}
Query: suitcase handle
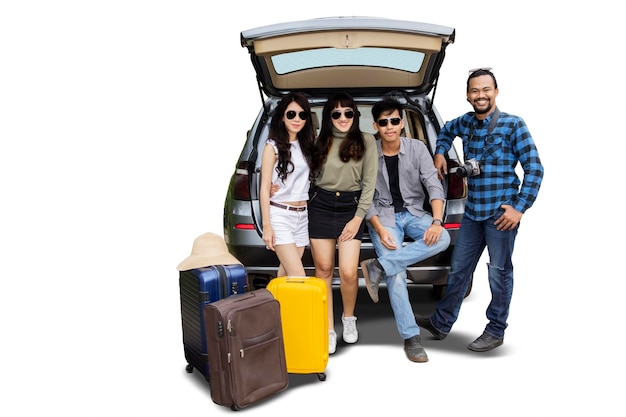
{"points": [[296, 278], [243, 295]]}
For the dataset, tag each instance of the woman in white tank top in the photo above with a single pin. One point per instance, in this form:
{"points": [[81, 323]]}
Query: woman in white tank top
{"points": [[285, 168]]}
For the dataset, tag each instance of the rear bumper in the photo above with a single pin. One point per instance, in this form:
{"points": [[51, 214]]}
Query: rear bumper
{"points": [[248, 247], [262, 264]]}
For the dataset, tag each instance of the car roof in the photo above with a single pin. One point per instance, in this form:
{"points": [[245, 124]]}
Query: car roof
{"points": [[360, 55]]}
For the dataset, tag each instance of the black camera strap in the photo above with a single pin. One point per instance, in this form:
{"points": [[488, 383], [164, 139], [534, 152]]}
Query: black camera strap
{"points": [[492, 125]]}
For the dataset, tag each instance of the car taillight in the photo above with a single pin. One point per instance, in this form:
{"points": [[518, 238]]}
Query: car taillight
{"points": [[241, 185], [456, 184], [456, 187], [244, 226]]}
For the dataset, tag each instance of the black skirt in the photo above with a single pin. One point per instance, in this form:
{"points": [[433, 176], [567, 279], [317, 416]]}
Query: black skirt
{"points": [[329, 211]]}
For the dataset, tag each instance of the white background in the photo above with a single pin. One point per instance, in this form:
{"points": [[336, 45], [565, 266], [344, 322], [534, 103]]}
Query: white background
{"points": [[120, 124]]}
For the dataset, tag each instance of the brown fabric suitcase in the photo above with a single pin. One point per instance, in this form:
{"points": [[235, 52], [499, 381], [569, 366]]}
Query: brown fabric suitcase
{"points": [[246, 349]]}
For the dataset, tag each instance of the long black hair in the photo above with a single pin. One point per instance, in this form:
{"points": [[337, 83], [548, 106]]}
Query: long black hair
{"points": [[278, 132], [353, 146]]}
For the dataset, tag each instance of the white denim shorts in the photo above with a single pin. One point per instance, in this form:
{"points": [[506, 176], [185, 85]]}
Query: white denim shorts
{"points": [[290, 226]]}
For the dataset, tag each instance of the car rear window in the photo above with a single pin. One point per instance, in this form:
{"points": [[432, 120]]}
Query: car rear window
{"points": [[410, 61]]}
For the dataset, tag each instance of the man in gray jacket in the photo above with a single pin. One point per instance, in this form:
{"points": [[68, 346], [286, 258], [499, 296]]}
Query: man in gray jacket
{"points": [[405, 168]]}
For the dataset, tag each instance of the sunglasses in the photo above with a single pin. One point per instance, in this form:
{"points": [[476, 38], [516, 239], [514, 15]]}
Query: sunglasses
{"points": [[395, 121], [292, 114], [473, 70], [337, 114]]}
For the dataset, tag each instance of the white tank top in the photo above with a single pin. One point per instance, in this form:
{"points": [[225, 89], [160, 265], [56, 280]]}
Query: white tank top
{"points": [[296, 185]]}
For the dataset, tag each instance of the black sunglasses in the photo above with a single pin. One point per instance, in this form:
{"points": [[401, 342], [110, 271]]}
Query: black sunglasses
{"points": [[394, 121], [337, 114], [290, 114]]}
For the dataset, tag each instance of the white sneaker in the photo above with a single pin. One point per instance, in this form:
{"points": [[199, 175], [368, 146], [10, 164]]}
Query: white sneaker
{"points": [[332, 342], [350, 334]]}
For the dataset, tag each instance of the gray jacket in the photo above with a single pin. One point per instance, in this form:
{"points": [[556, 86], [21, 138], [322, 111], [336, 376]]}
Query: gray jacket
{"points": [[415, 167]]}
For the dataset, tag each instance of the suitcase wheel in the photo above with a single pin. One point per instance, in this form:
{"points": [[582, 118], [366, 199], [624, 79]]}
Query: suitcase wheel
{"points": [[189, 368], [321, 376]]}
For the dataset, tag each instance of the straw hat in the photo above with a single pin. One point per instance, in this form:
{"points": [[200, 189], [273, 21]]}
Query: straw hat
{"points": [[208, 249]]}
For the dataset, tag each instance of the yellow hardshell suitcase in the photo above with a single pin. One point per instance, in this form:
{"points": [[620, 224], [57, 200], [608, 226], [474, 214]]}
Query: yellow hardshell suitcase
{"points": [[304, 315]]}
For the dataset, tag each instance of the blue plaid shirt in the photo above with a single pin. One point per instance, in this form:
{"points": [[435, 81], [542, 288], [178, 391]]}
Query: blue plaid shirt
{"points": [[498, 154]]}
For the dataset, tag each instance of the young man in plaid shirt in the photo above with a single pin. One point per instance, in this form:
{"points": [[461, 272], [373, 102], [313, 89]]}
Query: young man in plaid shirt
{"points": [[495, 203]]}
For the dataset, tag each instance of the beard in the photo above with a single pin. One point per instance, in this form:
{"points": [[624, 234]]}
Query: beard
{"points": [[484, 110]]}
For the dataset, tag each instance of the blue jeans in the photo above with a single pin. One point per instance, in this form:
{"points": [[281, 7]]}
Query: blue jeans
{"points": [[472, 239], [396, 261]]}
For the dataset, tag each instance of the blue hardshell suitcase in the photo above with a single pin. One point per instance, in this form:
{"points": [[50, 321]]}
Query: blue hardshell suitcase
{"points": [[199, 287]]}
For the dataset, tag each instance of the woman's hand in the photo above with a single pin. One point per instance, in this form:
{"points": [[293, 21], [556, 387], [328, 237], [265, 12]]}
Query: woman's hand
{"points": [[350, 229], [268, 237], [274, 189]]}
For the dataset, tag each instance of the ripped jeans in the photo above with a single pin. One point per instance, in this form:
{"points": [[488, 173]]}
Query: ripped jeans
{"points": [[395, 262], [471, 241]]}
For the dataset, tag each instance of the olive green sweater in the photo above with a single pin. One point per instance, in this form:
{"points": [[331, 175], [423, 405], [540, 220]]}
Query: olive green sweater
{"points": [[336, 175]]}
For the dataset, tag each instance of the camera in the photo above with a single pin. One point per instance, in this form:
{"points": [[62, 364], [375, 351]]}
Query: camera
{"points": [[470, 168]]}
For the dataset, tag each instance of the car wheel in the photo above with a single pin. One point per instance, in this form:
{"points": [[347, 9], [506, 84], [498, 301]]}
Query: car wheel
{"points": [[440, 290], [259, 281]]}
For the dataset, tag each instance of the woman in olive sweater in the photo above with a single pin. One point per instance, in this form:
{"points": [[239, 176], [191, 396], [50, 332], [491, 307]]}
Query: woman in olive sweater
{"points": [[345, 168]]}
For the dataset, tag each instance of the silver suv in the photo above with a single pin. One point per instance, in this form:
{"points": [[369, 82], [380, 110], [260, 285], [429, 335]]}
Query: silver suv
{"points": [[370, 58]]}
